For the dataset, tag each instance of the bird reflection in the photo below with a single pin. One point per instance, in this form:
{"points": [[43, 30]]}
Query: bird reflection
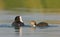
{"points": [[20, 32], [33, 28]]}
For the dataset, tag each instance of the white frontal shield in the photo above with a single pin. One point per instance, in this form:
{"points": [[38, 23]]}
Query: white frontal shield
{"points": [[21, 19]]}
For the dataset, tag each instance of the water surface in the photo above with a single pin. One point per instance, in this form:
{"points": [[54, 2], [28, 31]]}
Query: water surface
{"points": [[7, 17]]}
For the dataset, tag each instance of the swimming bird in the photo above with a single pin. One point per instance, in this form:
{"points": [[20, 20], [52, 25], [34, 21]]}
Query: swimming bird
{"points": [[40, 24], [17, 22]]}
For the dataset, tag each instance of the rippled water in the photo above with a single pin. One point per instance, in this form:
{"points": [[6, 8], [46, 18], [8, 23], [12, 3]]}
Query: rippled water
{"points": [[7, 17]]}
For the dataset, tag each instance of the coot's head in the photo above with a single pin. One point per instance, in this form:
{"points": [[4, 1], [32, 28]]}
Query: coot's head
{"points": [[17, 19]]}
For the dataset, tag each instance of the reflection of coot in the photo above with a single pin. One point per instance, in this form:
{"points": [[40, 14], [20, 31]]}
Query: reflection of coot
{"points": [[17, 23], [41, 24]]}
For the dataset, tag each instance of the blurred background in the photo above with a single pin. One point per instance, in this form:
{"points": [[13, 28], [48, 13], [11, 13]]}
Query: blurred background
{"points": [[38, 5], [45, 10]]}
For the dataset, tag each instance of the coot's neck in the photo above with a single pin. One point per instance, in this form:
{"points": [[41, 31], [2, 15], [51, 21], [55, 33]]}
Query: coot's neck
{"points": [[17, 21]]}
